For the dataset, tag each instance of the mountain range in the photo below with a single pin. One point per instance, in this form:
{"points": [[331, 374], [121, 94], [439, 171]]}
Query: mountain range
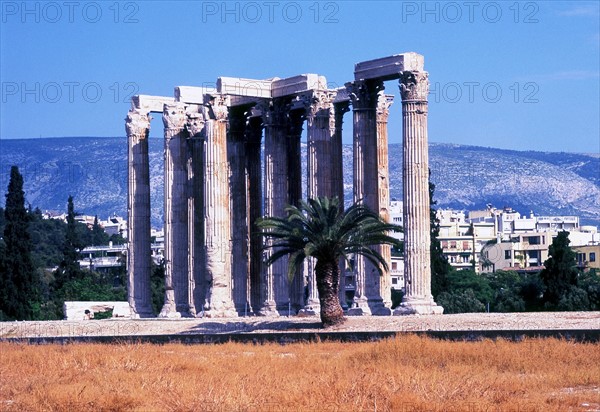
{"points": [[94, 171]]}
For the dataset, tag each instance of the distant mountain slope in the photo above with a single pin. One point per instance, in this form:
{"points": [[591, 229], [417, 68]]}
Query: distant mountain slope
{"points": [[94, 171]]}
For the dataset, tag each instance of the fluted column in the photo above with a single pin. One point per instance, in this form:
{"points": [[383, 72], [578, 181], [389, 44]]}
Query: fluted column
{"points": [[383, 104], [138, 207], [320, 171], [217, 221], [337, 167], [276, 194], [195, 166], [176, 212], [292, 293], [414, 87], [238, 180], [255, 208], [364, 95]]}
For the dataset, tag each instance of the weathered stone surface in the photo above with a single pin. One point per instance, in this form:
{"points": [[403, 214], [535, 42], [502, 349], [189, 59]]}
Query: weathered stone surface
{"points": [[76, 310], [244, 87], [415, 176], [388, 68], [138, 206], [150, 104], [213, 193], [297, 84]]}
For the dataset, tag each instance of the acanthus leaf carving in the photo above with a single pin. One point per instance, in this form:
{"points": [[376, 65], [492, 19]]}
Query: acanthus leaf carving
{"points": [[363, 93], [414, 86], [174, 117], [137, 123]]}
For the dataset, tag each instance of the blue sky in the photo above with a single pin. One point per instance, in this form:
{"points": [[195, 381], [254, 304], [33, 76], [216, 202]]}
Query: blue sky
{"points": [[515, 75]]}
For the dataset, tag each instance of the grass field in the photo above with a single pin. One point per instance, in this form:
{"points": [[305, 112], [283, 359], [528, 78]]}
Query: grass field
{"points": [[408, 373]]}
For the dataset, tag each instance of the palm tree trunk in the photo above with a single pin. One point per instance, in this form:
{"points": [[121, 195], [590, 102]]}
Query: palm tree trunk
{"points": [[328, 280]]}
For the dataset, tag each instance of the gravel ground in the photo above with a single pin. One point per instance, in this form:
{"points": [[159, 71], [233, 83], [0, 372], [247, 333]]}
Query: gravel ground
{"points": [[459, 322]]}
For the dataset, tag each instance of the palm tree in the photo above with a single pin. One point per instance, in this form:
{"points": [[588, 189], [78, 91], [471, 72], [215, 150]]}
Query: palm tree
{"points": [[319, 228]]}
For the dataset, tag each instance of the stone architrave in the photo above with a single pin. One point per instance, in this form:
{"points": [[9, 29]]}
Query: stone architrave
{"points": [[364, 96], [139, 263], [176, 212], [195, 167], [414, 88]]}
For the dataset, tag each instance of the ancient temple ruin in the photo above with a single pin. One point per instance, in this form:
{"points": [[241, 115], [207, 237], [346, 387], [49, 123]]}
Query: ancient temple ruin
{"points": [[216, 186]]}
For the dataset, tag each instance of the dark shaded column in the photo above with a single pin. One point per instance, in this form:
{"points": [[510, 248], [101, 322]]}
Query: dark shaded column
{"points": [[195, 167], [253, 138], [276, 195], [238, 182], [338, 179], [364, 95]]}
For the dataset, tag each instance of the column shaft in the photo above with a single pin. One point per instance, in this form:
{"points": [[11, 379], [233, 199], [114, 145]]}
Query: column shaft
{"points": [[217, 211], [176, 212], [414, 87], [196, 265], [255, 209], [383, 104], [239, 209], [276, 196], [364, 96], [138, 231]]}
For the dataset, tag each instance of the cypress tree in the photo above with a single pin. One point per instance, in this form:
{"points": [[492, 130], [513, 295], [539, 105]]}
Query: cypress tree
{"points": [[560, 272], [69, 266], [439, 264], [19, 286]]}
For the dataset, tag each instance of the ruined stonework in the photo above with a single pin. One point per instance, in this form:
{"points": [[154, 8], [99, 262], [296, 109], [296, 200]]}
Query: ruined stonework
{"points": [[217, 185]]}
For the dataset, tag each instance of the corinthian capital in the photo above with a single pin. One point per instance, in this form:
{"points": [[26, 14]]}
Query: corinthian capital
{"points": [[414, 86], [363, 93], [195, 124], [384, 101], [174, 117], [137, 123], [219, 106]]}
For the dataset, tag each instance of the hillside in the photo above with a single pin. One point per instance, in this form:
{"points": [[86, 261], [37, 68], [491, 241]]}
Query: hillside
{"points": [[94, 171]]}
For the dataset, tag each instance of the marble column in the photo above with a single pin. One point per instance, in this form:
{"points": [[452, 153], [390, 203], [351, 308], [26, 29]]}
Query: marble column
{"points": [[414, 88], [217, 222], [383, 105], [364, 96], [238, 180], [176, 212], [337, 170], [195, 167], [275, 194], [321, 171], [139, 263], [253, 139], [294, 290]]}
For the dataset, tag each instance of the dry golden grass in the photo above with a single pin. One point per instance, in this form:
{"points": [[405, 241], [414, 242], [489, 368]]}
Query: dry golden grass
{"points": [[403, 374]]}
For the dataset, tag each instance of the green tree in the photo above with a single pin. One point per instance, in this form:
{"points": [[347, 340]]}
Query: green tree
{"points": [[321, 229], [69, 266], [440, 268], [19, 282], [560, 270], [99, 236]]}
